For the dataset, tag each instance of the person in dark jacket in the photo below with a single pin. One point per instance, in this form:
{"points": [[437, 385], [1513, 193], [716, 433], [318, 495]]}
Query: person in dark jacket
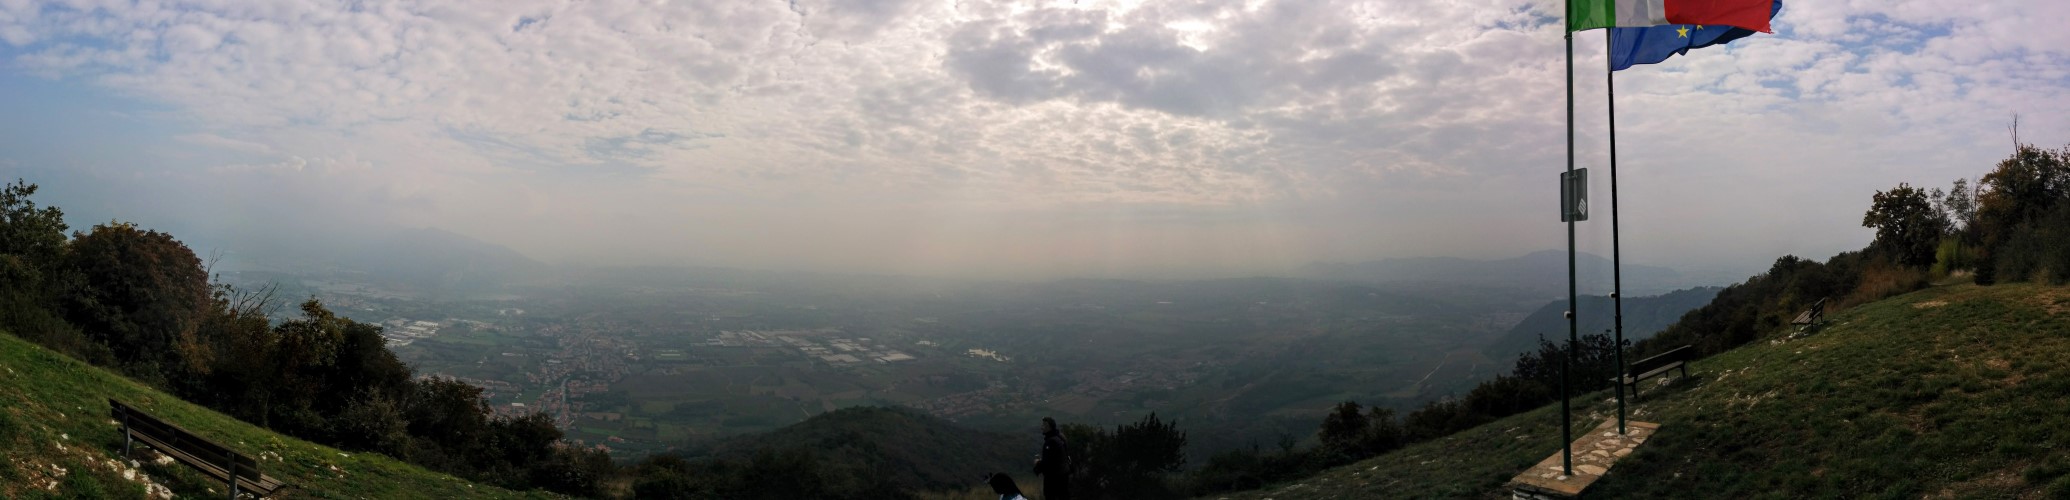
{"points": [[1054, 464]]}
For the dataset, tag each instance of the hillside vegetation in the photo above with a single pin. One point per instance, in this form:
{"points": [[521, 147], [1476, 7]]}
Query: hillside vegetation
{"points": [[60, 443], [1956, 390]]}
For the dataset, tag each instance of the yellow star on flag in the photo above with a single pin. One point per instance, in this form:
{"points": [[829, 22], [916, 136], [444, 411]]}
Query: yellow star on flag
{"points": [[1682, 32]]}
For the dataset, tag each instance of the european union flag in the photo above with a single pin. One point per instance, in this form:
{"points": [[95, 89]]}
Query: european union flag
{"points": [[1632, 46]]}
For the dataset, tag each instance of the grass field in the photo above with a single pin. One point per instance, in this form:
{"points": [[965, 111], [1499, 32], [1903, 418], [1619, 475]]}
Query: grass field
{"points": [[1957, 391], [58, 442]]}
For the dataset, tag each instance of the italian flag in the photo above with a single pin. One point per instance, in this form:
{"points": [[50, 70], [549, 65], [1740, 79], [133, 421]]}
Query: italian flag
{"points": [[1595, 14]]}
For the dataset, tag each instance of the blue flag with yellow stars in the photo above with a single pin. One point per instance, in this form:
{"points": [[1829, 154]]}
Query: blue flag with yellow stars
{"points": [[1648, 45]]}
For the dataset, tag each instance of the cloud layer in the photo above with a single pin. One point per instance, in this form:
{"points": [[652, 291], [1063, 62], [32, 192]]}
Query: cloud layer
{"points": [[1068, 137]]}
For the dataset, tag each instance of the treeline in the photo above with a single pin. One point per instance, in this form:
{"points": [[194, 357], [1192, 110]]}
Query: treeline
{"points": [[140, 302]]}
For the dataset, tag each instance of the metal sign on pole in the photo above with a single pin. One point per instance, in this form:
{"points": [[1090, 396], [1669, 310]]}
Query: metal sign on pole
{"points": [[1574, 209], [1574, 195]]}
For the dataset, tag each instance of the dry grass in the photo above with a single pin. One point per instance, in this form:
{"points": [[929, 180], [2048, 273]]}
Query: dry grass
{"points": [[1882, 280]]}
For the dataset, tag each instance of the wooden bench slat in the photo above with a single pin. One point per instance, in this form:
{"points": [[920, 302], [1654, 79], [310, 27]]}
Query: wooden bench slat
{"points": [[212, 459], [1659, 364], [1812, 315]]}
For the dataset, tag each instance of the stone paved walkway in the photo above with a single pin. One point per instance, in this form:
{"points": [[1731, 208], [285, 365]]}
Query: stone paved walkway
{"points": [[1594, 454]]}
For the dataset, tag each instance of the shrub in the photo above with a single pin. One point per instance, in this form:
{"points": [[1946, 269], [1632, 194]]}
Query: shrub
{"points": [[1951, 256], [1881, 279]]}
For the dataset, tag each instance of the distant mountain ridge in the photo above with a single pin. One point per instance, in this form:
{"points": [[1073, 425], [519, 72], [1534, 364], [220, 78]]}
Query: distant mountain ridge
{"points": [[437, 259], [1542, 271], [425, 259], [1643, 317]]}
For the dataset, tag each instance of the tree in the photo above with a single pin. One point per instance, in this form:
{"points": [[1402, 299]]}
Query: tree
{"points": [[144, 295], [1343, 431], [31, 238], [1907, 226], [2021, 189], [1961, 203], [1149, 446], [1383, 433], [1129, 463], [32, 275]]}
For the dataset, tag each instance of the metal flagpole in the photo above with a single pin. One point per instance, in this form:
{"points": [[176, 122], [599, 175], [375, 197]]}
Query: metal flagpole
{"points": [[1567, 362], [1616, 262]]}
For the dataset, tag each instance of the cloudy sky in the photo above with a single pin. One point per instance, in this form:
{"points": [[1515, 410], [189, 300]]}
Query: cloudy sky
{"points": [[1005, 139]]}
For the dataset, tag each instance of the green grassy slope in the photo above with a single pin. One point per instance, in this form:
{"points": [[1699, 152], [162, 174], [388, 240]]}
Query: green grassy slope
{"points": [[58, 442], [1956, 391]]}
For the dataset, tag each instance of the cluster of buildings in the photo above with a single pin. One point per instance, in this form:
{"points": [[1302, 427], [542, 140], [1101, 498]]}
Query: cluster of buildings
{"points": [[401, 331], [844, 351], [833, 351]]}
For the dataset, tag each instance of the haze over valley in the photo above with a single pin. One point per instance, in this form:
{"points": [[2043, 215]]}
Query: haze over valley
{"points": [[651, 359]]}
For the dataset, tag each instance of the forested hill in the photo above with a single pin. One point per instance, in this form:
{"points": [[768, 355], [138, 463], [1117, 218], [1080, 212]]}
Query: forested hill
{"points": [[911, 449], [1643, 317]]}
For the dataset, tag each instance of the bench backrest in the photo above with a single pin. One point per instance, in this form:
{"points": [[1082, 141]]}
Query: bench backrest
{"points": [[178, 438], [1672, 355], [1818, 308]]}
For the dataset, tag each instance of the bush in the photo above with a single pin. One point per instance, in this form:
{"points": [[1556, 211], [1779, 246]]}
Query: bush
{"points": [[374, 422], [1951, 256], [2038, 251]]}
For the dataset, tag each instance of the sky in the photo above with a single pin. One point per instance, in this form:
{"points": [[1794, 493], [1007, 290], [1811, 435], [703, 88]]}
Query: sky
{"points": [[1021, 140]]}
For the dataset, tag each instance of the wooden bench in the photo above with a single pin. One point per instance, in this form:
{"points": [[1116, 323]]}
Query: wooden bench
{"points": [[1810, 318], [218, 461], [1673, 359]]}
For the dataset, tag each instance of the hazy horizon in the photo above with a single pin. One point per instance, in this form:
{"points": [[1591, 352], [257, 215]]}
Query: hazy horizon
{"points": [[1000, 139]]}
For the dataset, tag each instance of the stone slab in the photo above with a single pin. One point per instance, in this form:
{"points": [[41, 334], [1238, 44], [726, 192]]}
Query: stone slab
{"points": [[1594, 454]]}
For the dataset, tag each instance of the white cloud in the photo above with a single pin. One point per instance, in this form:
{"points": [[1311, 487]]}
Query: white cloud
{"points": [[217, 141], [487, 108]]}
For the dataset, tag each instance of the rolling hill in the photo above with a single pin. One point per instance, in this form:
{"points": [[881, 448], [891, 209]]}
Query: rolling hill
{"points": [[914, 450], [1953, 391], [59, 443]]}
